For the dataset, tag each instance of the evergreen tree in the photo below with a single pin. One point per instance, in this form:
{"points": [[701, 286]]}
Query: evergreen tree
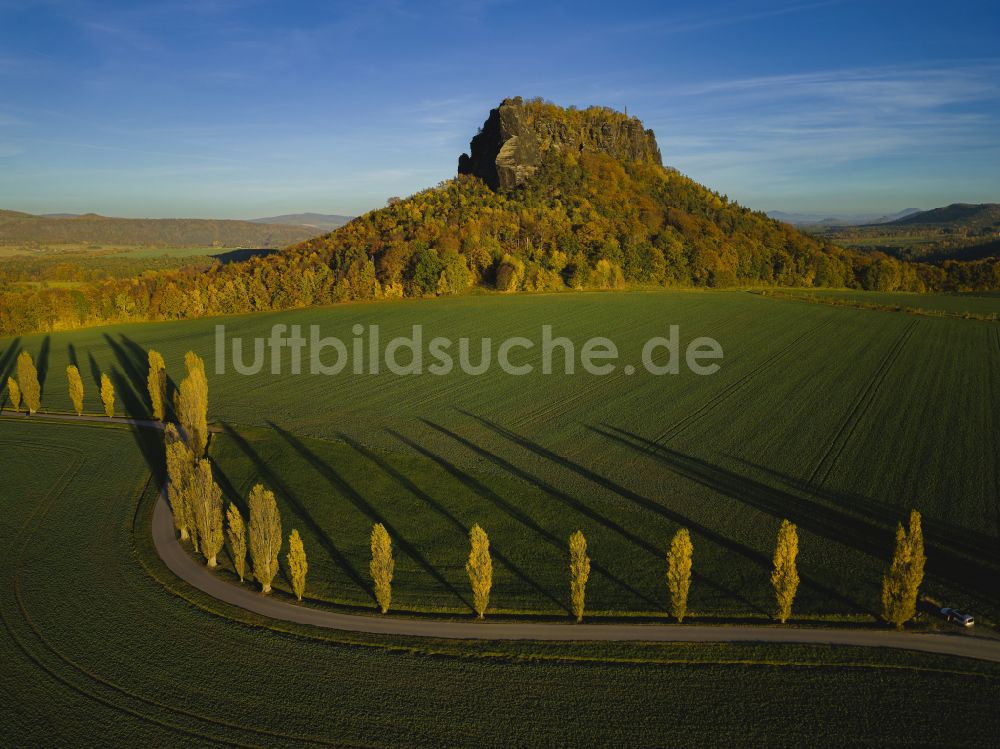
{"points": [[265, 535], [579, 572], [180, 474], [237, 532], [679, 572], [75, 388], [382, 566], [27, 380], [15, 394], [192, 404], [107, 395], [297, 564], [206, 507], [905, 574], [785, 577], [156, 382], [480, 569]]}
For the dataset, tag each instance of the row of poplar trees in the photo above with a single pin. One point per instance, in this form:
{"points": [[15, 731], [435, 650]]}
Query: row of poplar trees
{"points": [[28, 389]]}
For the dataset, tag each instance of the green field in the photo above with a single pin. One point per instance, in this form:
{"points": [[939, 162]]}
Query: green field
{"points": [[839, 419], [102, 647], [978, 303]]}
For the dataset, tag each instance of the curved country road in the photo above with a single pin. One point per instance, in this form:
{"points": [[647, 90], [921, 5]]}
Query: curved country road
{"points": [[187, 569]]}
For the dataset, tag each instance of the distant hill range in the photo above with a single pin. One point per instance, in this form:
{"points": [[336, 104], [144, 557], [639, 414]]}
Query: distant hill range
{"points": [[322, 222], [17, 228], [974, 217], [849, 219]]}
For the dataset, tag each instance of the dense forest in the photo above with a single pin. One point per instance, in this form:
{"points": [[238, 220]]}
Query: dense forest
{"points": [[584, 220]]}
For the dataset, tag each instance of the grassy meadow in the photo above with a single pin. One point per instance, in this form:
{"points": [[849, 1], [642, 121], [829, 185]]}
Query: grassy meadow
{"points": [[101, 646], [838, 419]]}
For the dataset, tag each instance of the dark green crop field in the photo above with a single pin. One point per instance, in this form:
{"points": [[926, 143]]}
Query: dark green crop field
{"points": [[100, 646], [841, 420]]}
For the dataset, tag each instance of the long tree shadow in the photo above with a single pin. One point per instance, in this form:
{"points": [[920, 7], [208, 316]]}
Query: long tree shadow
{"points": [[42, 363], [71, 355], [717, 538], [277, 484], [981, 545], [865, 536], [95, 370], [149, 440], [566, 500], [347, 490], [140, 359], [136, 375], [416, 491], [7, 361]]}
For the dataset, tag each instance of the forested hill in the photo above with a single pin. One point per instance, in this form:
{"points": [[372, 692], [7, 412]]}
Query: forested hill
{"points": [[25, 228], [548, 199], [968, 216]]}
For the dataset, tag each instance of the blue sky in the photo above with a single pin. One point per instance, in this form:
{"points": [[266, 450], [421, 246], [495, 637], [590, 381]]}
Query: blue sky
{"points": [[219, 108]]}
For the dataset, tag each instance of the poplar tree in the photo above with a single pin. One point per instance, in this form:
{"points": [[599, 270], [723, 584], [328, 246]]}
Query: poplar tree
{"points": [[237, 532], [75, 388], [297, 564], [192, 404], [679, 572], [265, 535], [27, 380], [156, 382], [206, 509], [382, 566], [579, 571], [108, 395], [15, 393], [785, 576], [180, 470], [905, 574], [480, 569]]}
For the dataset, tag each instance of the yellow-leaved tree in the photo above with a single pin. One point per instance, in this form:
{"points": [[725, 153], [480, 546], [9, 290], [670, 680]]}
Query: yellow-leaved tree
{"points": [[265, 535], [679, 572], [579, 572], [905, 574], [27, 379], [382, 566], [156, 382], [297, 564], [107, 395], [237, 531], [15, 393], [785, 576], [206, 508], [479, 569], [75, 388], [191, 404], [180, 474]]}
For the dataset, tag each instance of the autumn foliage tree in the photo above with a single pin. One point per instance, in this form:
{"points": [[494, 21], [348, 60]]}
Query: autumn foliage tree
{"points": [[237, 533], [298, 566], [905, 574], [156, 382], [180, 475], [679, 572], [479, 568], [27, 379], [265, 535], [206, 507], [382, 566], [75, 388], [15, 393], [107, 395], [579, 572], [192, 404], [785, 575]]}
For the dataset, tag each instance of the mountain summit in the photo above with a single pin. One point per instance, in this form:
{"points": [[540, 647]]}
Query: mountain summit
{"points": [[518, 135]]}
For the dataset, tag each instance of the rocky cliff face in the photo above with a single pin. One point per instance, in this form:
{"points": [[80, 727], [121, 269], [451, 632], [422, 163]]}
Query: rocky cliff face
{"points": [[517, 135]]}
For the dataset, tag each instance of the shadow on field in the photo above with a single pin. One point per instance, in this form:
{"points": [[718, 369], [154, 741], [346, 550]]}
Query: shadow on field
{"points": [[872, 538], [140, 361], [343, 487], [444, 512], [134, 370], [573, 504], [7, 361], [42, 363], [274, 482], [95, 371]]}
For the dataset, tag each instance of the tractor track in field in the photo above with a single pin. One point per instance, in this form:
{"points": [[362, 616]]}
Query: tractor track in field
{"points": [[679, 427], [824, 467]]}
